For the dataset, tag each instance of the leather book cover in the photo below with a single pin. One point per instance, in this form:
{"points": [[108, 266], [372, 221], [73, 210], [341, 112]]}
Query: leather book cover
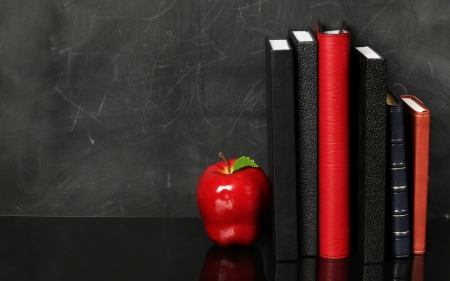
{"points": [[305, 77], [417, 130], [333, 142], [397, 206], [281, 145], [369, 93], [307, 269]]}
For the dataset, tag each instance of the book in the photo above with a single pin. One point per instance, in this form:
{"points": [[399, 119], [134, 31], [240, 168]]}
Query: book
{"points": [[281, 147], [307, 269], [417, 130], [333, 142], [305, 79], [369, 95], [397, 187]]}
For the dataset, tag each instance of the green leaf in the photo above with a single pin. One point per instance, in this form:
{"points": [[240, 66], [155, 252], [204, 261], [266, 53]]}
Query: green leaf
{"points": [[242, 163]]}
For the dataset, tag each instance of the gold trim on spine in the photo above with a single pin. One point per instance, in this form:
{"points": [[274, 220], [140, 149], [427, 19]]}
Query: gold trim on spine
{"points": [[400, 233], [399, 187]]}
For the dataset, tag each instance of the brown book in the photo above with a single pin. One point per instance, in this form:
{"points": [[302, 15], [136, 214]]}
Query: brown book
{"points": [[417, 129]]}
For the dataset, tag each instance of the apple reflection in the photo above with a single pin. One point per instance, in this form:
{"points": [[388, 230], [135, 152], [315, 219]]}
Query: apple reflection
{"points": [[232, 264]]}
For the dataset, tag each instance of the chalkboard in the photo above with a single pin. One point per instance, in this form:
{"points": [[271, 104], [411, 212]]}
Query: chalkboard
{"points": [[115, 108]]}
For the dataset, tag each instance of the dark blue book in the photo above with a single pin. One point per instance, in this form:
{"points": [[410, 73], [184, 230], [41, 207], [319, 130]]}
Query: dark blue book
{"points": [[397, 179]]}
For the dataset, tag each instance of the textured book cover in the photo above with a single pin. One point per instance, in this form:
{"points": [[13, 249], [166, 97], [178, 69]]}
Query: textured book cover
{"points": [[333, 142], [417, 130], [281, 147], [305, 79], [397, 188], [369, 92], [307, 269]]}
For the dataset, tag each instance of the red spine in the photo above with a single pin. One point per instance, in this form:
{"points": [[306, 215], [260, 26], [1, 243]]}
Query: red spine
{"points": [[334, 144]]}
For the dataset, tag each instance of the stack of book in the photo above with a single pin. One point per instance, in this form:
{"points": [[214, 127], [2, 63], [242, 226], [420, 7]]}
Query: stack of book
{"points": [[360, 167]]}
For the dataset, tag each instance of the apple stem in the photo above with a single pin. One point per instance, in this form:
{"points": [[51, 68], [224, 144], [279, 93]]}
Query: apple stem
{"points": [[226, 161]]}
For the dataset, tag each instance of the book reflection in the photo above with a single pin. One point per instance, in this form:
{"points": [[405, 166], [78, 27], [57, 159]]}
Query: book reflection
{"points": [[333, 270]]}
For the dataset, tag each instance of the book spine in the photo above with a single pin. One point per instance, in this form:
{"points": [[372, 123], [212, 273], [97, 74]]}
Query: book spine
{"points": [[333, 144], [372, 157], [307, 269], [418, 125], [281, 144], [285, 271], [305, 76], [397, 183]]}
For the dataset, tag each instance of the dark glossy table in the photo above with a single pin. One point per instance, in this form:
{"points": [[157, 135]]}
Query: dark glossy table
{"points": [[37, 248]]}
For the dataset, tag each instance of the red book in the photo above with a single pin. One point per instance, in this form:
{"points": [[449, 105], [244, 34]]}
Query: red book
{"points": [[333, 142], [417, 130]]}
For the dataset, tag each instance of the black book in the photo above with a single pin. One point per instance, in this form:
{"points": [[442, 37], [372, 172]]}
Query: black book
{"points": [[369, 93], [282, 271], [397, 203], [305, 79], [281, 147], [307, 269]]}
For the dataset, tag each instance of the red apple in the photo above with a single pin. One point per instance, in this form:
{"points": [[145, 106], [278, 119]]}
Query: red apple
{"points": [[233, 198]]}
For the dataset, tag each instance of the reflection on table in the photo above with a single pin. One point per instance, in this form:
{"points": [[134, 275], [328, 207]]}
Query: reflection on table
{"points": [[33, 248]]}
